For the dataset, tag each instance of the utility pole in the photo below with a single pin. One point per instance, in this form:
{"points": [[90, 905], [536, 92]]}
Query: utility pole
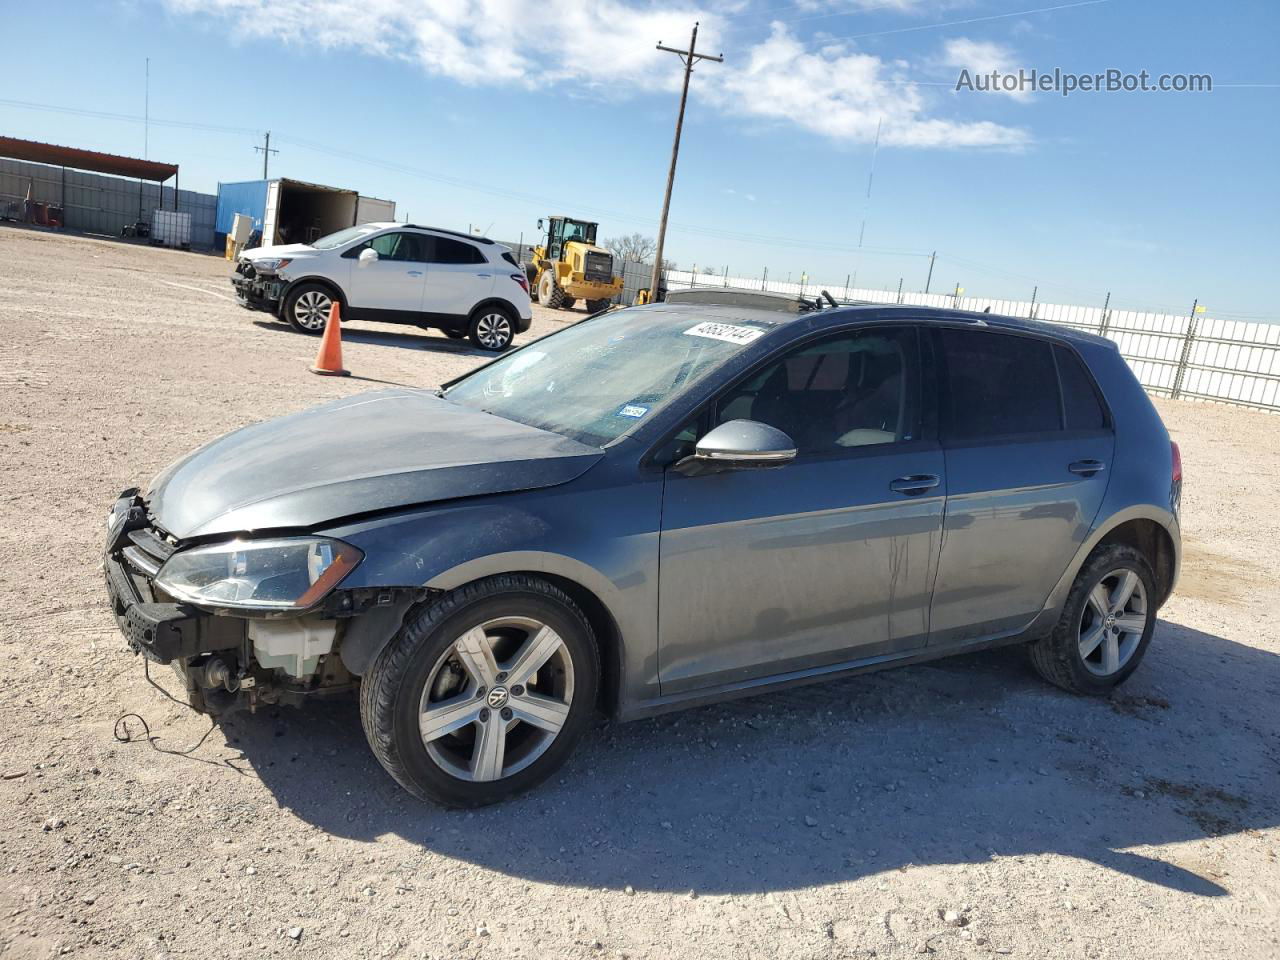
{"points": [[266, 152], [688, 57], [933, 256], [146, 112]]}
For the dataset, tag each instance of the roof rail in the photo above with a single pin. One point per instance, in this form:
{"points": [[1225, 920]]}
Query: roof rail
{"points": [[452, 233]]}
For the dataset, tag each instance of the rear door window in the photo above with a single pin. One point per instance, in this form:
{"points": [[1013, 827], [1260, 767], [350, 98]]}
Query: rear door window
{"points": [[998, 385]]}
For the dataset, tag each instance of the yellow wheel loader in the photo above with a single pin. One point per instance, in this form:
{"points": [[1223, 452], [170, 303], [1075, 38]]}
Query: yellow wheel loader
{"points": [[567, 266]]}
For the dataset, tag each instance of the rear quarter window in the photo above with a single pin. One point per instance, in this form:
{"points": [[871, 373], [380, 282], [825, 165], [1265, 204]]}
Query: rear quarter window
{"points": [[1081, 405]]}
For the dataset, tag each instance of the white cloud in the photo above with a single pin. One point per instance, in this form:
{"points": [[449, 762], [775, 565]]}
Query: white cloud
{"points": [[845, 95], [983, 57], [608, 46]]}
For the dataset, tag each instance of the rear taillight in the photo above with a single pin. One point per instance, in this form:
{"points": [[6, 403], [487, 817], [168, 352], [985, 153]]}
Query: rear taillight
{"points": [[1175, 485], [521, 279]]}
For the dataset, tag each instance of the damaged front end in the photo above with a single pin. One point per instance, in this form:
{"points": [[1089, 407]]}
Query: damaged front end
{"points": [[245, 623], [257, 286]]}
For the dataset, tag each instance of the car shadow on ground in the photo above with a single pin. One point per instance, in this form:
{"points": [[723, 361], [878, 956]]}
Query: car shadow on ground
{"points": [[413, 338], [960, 761]]}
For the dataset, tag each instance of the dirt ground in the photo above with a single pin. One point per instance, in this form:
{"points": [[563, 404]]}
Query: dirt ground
{"points": [[962, 808]]}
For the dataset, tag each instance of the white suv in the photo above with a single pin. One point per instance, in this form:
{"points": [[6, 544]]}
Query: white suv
{"points": [[392, 272]]}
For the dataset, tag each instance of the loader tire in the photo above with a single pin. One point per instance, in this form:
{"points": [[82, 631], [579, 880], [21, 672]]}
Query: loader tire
{"points": [[550, 293]]}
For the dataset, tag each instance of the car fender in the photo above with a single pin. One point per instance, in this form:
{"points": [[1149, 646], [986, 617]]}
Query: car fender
{"points": [[553, 532]]}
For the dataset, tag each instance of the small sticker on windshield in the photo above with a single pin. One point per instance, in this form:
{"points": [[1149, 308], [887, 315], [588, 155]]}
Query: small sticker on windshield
{"points": [[633, 410], [729, 332]]}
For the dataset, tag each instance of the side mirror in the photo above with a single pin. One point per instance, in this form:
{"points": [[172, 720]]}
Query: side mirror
{"points": [[367, 256], [539, 223], [739, 445]]}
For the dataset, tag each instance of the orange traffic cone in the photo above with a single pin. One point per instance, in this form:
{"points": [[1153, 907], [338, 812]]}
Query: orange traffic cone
{"points": [[329, 356]]}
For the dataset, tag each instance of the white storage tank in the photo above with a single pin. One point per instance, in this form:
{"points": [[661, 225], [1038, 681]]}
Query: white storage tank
{"points": [[171, 228]]}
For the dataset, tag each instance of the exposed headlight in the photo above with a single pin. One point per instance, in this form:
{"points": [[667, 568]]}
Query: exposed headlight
{"points": [[286, 574], [271, 264]]}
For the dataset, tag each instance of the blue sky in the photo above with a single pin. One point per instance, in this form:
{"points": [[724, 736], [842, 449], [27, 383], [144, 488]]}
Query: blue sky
{"points": [[477, 112]]}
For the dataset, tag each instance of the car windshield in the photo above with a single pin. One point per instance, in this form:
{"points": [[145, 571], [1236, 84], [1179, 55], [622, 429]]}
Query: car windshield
{"points": [[345, 236], [597, 380]]}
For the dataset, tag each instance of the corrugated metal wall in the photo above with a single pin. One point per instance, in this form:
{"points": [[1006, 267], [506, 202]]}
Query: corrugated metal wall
{"points": [[95, 203]]}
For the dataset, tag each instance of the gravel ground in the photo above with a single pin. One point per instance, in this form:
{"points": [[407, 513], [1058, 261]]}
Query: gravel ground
{"points": [[961, 808]]}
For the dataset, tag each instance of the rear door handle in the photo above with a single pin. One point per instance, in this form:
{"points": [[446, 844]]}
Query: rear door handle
{"points": [[914, 485], [415, 273], [1087, 468], [484, 276]]}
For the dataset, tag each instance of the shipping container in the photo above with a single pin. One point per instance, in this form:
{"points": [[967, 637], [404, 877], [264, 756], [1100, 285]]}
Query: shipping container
{"points": [[291, 211]]}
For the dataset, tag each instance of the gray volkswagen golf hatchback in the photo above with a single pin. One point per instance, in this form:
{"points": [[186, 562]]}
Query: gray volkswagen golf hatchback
{"points": [[658, 507]]}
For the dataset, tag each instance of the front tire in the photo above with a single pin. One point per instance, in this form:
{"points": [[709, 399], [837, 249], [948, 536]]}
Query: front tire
{"points": [[1105, 626], [492, 328], [307, 308], [550, 293], [484, 693]]}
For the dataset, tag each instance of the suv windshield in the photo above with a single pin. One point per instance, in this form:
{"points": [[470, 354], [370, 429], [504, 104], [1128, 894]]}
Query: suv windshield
{"points": [[595, 381], [345, 236]]}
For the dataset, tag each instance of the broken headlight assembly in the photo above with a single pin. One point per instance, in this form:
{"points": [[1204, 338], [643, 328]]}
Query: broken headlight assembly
{"points": [[292, 573]]}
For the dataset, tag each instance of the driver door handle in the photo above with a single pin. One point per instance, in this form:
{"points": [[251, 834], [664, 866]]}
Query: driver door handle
{"points": [[914, 485], [415, 273]]}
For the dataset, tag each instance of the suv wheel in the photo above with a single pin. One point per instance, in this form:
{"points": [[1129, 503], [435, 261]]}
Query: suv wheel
{"points": [[491, 328], [484, 693], [307, 307], [1105, 626]]}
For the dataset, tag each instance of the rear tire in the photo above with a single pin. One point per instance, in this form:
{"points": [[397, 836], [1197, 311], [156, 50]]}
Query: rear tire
{"points": [[597, 306], [458, 673], [550, 293], [492, 328], [307, 308], [1105, 626]]}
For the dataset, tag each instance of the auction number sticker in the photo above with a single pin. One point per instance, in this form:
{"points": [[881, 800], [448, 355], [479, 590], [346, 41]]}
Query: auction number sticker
{"points": [[633, 410], [729, 332]]}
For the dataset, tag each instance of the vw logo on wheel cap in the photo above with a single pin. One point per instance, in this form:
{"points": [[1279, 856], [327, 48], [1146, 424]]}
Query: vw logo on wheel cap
{"points": [[497, 697]]}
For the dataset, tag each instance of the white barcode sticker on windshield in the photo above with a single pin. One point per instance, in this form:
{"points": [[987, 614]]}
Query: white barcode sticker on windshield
{"points": [[728, 332]]}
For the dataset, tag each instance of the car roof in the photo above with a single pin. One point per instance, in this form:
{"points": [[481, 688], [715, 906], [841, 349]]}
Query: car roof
{"points": [[387, 224], [876, 313]]}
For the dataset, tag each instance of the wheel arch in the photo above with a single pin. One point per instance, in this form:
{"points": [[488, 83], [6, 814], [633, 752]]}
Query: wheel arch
{"points": [[1147, 528], [369, 634], [587, 587], [488, 302], [1154, 542], [318, 281]]}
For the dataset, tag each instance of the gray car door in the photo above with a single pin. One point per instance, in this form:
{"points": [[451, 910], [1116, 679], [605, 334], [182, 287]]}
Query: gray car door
{"points": [[827, 559], [1028, 445]]}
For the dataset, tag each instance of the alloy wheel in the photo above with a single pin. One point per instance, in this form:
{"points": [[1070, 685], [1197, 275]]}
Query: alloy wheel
{"points": [[1112, 622], [493, 330], [496, 699], [311, 310]]}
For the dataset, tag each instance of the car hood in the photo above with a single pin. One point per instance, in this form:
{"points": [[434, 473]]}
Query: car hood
{"points": [[374, 451], [280, 250]]}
